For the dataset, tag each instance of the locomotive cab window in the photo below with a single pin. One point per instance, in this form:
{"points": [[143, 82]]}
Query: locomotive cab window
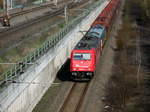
{"points": [[95, 33], [92, 34], [103, 19], [82, 56]]}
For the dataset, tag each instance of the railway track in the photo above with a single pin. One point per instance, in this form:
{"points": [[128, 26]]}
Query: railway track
{"points": [[30, 10], [21, 12], [75, 98], [40, 18]]}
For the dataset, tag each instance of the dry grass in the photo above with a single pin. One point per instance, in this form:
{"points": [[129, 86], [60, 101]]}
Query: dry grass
{"points": [[126, 35], [123, 91]]}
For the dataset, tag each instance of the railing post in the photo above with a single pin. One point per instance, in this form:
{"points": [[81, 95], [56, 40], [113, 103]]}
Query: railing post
{"points": [[6, 78]]}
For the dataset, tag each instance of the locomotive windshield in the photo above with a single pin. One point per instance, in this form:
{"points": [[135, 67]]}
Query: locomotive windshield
{"points": [[82, 56]]}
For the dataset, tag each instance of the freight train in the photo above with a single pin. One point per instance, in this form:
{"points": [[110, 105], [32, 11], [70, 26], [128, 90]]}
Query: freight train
{"points": [[86, 54]]}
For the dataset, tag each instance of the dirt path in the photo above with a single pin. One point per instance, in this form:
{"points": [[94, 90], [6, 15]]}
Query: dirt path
{"points": [[128, 88], [143, 70]]}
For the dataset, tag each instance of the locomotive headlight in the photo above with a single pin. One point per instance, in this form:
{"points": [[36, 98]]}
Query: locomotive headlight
{"points": [[89, 74], [74, 74], [77, 65], [75, 69]]}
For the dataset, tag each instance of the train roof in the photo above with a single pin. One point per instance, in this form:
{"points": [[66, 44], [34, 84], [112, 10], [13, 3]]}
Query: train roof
{"points": [[91, 38], [87, 43], [96, 31], [106, 15]]}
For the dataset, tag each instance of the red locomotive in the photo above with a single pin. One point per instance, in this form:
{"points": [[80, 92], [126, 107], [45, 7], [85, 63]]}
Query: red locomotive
{"points": [[86, 54], [84, 57]]}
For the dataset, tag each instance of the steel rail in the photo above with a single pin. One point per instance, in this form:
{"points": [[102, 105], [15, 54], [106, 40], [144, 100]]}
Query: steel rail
{"points": [[35, 9], [29, 10], [70, 97], [78, 107], [41, 6]]}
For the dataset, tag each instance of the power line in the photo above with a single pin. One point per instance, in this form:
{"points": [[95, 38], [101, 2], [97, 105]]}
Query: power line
{"points": [[35, 83], [138, 58]]}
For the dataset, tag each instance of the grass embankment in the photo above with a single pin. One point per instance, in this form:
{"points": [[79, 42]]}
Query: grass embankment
{"points": [[31, 42], [28, 45], [23, 48], [124, 90]]}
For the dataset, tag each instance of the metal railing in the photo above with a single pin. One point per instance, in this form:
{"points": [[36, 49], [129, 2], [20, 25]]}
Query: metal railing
{"points": [[20, 67]]}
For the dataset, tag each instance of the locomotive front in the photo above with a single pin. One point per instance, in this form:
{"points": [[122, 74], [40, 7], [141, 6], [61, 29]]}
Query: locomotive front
{"points": [[82, 64]]}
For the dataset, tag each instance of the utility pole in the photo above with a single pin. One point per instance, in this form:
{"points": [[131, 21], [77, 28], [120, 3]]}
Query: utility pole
{"points": [[146, 5], [55, 2], [6, 8], [5, 5], [66, 14], [6, 14]]}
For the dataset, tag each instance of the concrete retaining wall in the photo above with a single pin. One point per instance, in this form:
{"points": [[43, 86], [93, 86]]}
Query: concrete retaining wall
{"points": [[23, 96]]}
